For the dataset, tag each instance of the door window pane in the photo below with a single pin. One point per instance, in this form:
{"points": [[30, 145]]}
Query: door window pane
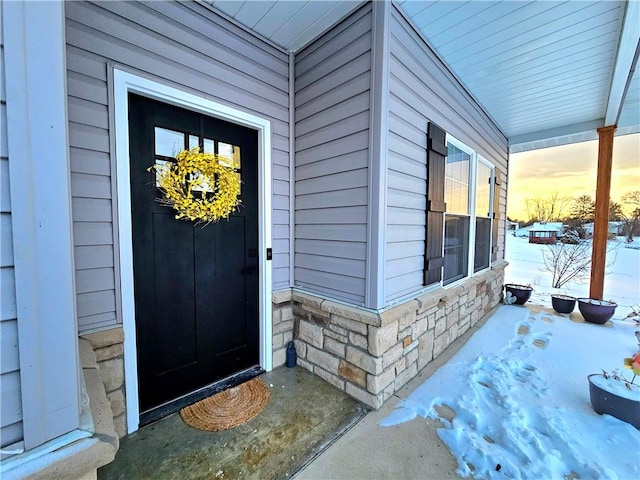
{"points": [[226, 150], [456, 189], [208, 146], [200, 183], [168, 142], [232, 152], [163, 165]]}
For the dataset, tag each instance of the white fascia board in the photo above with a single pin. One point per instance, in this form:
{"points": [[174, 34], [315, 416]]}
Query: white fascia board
{"points": [[625, 60], [579, 132]]}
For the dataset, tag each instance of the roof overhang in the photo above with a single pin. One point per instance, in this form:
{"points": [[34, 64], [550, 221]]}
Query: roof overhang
{"points": [[548, 73]]}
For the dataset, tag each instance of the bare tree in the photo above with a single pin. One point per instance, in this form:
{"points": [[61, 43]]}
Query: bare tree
{"points": [[533, 208], [557, 206], [568, 263], [632, 198], [547, 209], [631, 213]]}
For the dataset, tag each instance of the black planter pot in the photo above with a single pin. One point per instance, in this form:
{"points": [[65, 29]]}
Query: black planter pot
{"points": [[596, 311], [603, 401], [563, 303], [522, 293]]}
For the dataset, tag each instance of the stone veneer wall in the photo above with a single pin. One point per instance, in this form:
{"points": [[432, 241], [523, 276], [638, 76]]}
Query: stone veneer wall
{"points": [[282, 328], [371, 355], [108, 346]]}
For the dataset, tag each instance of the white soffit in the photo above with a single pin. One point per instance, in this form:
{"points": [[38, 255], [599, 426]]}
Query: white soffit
{"points": [[290, 24], [548, 72], [536, 67]]}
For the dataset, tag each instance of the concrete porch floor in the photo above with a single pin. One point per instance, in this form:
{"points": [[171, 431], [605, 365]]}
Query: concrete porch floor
{"points": [[304, 415], [305, 432], [409, 451]]}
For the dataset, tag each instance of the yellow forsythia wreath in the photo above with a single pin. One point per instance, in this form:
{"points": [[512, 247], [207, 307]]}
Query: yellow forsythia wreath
{"points": [[212, 174]]}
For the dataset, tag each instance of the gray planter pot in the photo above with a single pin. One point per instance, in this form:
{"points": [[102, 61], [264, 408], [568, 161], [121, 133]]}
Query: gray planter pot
{"points": [[602, 401], [596, 311], [563, 303], [520, 292]]}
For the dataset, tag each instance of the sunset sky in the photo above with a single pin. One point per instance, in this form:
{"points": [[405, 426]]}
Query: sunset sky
{"points": [[570, 170]]}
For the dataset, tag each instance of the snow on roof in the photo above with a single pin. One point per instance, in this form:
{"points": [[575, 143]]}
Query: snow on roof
{"points": [[546, 226], [541, 227], [612, 227]]}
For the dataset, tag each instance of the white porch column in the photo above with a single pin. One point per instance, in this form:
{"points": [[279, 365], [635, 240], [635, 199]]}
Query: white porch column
{"points": [[34, 48]]}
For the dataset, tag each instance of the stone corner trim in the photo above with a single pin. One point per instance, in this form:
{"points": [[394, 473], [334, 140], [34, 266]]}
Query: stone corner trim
{"points": [[81, 458], [281, 296], [372, 354], [108, 348]]}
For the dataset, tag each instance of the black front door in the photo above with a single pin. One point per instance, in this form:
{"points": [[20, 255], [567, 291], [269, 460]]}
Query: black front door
{"points": [[196, 287]]}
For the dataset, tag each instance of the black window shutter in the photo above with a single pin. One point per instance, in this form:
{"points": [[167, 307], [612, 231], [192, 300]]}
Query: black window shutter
{"points": [[496, 216], [436, 155]]}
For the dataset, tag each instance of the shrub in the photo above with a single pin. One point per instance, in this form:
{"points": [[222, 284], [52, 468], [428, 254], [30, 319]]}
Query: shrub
{"points": [[572, 262], [571, 237]]}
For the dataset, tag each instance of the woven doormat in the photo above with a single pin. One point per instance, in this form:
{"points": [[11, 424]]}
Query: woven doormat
{"points": [[228, 409]]}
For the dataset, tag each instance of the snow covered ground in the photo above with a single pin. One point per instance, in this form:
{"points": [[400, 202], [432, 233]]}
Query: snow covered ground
{"points": [[518, 388], [621, 282]]}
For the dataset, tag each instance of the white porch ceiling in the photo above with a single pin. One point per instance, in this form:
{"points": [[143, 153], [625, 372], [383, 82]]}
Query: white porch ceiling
{"points": [[548, 72]]}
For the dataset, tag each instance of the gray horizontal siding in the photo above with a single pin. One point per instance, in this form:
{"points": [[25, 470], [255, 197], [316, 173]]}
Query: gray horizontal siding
{"points": [[332, 85], [192, 48], [11, 407], [6, 249], [339, 147], [5, 193], [422, 90], [4, 148], [10, 386], [502, 192], [8, 310], [332, 199]]}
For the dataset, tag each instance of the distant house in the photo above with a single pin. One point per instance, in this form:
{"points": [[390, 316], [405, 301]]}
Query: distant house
{"points": [[543, 236], [614, 228], [541, 232]]}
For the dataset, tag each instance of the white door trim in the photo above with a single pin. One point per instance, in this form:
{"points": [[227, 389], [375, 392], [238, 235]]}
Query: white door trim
{"points": [[123, 84]]}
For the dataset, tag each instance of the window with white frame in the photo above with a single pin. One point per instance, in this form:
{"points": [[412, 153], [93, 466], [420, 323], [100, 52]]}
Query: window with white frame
{"points": [[467, 221], [457, 217], [484, 214]]}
